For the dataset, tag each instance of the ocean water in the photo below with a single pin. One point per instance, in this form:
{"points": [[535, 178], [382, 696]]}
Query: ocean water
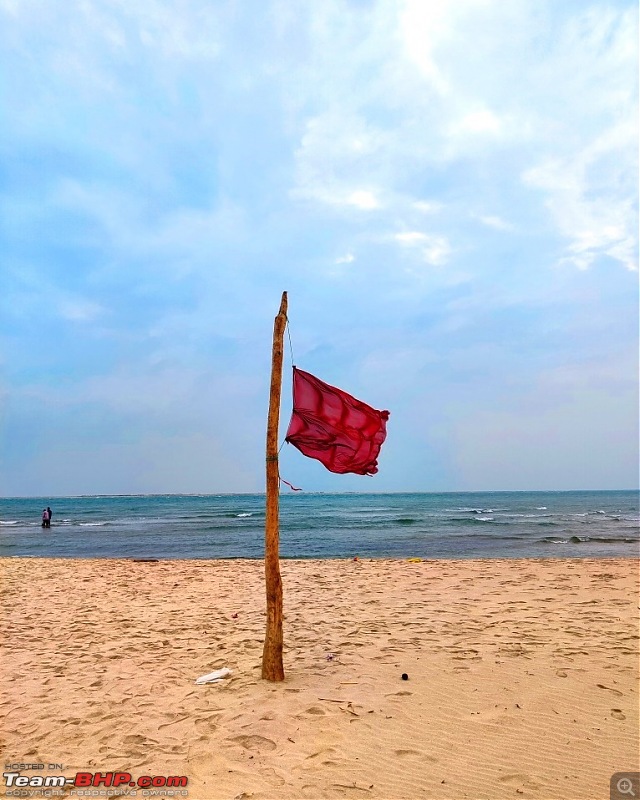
{"points": [[445, 525]]}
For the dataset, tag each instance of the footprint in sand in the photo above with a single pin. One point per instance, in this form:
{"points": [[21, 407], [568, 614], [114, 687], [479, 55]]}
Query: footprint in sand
{"points": [[616, 713], [254, 742], [329, 751], [520, 779], [314, 711], [415, 754], [311, 792]]}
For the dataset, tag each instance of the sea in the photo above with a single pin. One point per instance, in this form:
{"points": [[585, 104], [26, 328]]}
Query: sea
{"points": [[585, 524]]}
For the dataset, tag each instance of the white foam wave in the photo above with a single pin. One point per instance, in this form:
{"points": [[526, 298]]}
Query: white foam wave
{"points": [[244, 515], [92, 524], [9, 522]]}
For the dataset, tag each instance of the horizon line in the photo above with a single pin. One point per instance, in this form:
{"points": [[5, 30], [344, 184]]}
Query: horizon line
{"points": [[310, 492]]}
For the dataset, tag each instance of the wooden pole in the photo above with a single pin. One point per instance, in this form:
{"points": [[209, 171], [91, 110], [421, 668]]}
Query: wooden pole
{"points": [[272, 669]]}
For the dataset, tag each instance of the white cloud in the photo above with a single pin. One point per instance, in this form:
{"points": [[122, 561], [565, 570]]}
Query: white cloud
{"points": [[424, 25], [411, 237], [478, 122], [346, 259], [427, 208], [496, 222], [438, 101], [10, 7], [588, 164], [33, 289], [591, 197], [435, 250], [125, 223], [334, 157], [76, 309], [189, 31], [363, 199]]}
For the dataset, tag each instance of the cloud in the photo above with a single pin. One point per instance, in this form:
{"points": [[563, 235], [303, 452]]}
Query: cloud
{"points": [[482, 121], [591, 196], [494, 222], [427, 208], [363, 199], [346, 259], [75, 309], [450, 104], [588, 171], [435, 250], [168, 169]]}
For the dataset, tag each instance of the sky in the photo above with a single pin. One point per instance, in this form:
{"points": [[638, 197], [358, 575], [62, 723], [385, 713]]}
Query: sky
{"points": [[447, 191]]}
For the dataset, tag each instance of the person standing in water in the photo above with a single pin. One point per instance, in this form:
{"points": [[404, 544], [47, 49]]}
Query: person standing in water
{"points": [[46, 517]]}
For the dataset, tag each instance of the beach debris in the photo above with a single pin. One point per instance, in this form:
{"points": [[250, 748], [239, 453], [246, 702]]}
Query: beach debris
{"points": [[234, 616], [331, 656], [353, 786], [145, 560], [214, 677], [405, 677], [615, 691], [355, 558], [414, 560]]}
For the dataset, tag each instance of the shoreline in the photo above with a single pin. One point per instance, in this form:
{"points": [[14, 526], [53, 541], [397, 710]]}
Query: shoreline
{"points": [[289, 559], [522, 674]]}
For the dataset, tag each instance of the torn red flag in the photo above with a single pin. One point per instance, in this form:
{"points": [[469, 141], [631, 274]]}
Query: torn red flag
{"points": [[330, 425]]}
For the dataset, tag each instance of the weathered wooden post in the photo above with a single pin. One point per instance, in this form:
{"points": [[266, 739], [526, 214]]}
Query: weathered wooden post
{"points": [[272, 668]]}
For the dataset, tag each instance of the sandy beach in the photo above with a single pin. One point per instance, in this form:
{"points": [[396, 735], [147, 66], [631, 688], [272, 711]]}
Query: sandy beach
{"points": [[522, 676]]}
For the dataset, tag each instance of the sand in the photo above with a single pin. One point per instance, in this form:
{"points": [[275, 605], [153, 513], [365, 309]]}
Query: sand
{"points": [[522, 676]]}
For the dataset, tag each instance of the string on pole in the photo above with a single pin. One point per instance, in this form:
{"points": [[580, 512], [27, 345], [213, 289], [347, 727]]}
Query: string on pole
{"points": [[282, 480], [290, 345]]}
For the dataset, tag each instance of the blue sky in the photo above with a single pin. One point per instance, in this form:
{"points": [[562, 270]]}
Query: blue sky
{"points": [[448, 192]]}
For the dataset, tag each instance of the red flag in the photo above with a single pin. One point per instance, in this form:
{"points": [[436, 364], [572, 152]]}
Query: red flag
{"points": [[343, 433]]}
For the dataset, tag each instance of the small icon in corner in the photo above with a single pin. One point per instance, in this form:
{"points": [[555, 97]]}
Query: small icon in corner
{"points": [[624, 785]]}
